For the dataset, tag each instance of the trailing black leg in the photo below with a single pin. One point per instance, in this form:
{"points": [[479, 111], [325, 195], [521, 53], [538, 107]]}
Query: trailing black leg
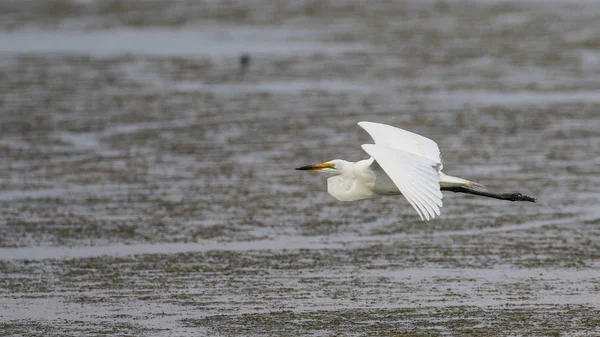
{"points": [[501, 196]]}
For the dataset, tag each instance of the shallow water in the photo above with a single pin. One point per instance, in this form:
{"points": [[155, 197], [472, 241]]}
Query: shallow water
{"points": [[201, 41], [148, 184]]}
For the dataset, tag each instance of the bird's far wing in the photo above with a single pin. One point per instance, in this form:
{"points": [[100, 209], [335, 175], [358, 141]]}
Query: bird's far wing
{"points": [[415, 176], [389, 136]]}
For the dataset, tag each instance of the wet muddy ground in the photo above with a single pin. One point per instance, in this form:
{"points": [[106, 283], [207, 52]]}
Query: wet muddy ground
{"points": [[147, 182]]}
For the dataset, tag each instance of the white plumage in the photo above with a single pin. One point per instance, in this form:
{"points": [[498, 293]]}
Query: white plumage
{"points": [[401, 162], [395, 138]]}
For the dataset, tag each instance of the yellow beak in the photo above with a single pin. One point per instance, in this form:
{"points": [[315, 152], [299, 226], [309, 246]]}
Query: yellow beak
{"points": [[316, 167]]}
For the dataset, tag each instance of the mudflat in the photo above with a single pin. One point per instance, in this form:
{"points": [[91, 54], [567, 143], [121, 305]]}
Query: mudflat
{"points": [[147, 182]]}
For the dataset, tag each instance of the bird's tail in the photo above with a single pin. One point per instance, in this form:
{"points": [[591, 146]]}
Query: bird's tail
{"points": [[450, 181]]}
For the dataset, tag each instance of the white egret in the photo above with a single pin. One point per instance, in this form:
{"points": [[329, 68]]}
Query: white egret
{"points": [[404, 163]]}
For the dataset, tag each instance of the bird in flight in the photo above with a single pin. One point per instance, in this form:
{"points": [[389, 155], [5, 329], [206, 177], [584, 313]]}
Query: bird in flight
{"points": [[404, 163]]}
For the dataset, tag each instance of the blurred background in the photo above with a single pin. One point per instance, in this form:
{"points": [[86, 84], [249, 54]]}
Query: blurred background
{"points": [[147, 151]]}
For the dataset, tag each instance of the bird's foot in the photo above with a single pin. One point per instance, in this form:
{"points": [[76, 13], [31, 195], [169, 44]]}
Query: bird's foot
{"points": [[517, 197]]}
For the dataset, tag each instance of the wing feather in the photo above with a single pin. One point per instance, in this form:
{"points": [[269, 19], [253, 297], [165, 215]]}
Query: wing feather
{"points": [[415, 176], [425, 196], [430, 186], [427, 208], [395, 138]]}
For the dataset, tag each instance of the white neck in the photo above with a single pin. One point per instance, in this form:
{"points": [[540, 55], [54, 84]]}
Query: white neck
{"points": [[355, 181]]}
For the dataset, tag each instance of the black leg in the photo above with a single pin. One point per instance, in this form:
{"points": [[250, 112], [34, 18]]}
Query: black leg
{"points": [[501, 196]]}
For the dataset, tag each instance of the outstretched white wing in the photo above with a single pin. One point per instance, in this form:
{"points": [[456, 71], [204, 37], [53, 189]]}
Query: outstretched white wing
{"points": [[389, 136], [411, 161]]}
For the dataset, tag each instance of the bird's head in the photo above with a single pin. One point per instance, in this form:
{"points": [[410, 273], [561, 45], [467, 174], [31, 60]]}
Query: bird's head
{"points": [[335, 166]]}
